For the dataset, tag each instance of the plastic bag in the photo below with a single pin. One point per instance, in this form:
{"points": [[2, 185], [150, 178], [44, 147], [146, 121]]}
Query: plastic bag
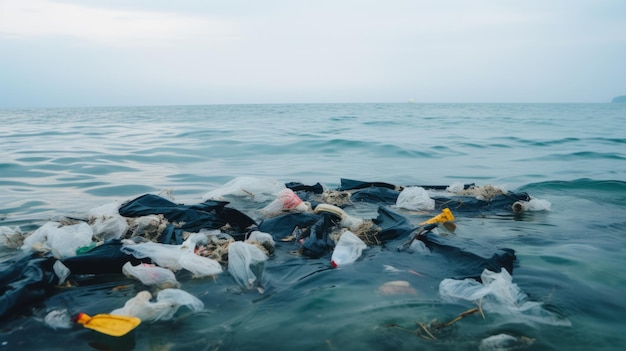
{"points": [[36, 240], [504, 342], [141, 307], [199, 266], [348, 249], [162, 254], [11, 238], [264, 239], [65, 240], [109, 227], [61, 271], [285, 200], [416, 199], [193, 240], [242, 258], [260, 189], [455, 187], [150, 275], [168, 302], [61, 240], [182, 298], [107, 210], [149, 226], [498, 295], [419, 247], [58, 319]]}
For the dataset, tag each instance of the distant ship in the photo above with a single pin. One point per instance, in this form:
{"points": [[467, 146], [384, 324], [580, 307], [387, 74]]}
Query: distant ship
{"points": [[411, 101]]}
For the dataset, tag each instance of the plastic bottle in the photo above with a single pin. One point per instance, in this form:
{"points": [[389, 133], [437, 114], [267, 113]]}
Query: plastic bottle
{"points": [[348, 249]]}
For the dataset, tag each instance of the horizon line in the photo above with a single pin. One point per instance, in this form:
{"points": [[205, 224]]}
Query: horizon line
{"points": [[408, 102]]}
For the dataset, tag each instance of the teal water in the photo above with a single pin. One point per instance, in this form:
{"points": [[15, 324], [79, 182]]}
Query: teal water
{"points": [[58, 162]]}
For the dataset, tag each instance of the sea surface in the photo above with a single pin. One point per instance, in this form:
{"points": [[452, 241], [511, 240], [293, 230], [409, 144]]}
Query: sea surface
{"points": [[569, 257]]}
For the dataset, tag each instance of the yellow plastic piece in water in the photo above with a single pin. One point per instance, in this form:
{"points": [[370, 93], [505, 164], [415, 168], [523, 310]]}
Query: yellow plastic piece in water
{"points": [[444, 216], [109, 324]]}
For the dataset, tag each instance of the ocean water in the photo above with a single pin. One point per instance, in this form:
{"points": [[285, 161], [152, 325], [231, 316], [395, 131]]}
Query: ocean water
{"points": [[65, 161]]}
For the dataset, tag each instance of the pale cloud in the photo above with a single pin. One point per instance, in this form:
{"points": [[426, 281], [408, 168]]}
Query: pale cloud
{"points": [[122, 28]]}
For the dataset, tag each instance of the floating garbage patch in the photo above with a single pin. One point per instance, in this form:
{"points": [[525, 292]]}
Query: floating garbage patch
{"points": [[150, 242]]}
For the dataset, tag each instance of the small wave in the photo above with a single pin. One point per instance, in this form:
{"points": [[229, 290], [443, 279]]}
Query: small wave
{"points": [[604, 191], [382, 123], [581, 155], [120, 190], [342, 118]]}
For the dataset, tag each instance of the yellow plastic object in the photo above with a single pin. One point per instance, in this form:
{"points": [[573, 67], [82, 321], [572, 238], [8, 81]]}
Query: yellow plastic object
{"points": [[444, 216], [108, 324]]}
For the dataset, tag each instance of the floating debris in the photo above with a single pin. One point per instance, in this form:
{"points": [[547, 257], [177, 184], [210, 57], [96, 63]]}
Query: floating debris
{"points": [[429, 331], [396, 287], [484, 192]]}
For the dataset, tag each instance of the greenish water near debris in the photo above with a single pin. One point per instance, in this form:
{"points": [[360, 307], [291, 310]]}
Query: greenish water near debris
{"points": [[59, 162]]}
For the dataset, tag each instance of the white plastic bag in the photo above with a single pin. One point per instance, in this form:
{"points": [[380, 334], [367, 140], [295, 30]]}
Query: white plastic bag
{"points": [[416, 199], [150, 225], [193, 240], [37, 239], [504, 342], [242, 257], [141, 307], [163, 255], [260, 189], [498, 295], [106, 210], [11, 238], [151, 275], [168, 302], [347, 250], [66, 239], [419, 247], [199, 266], [182, 298], [109, 227], [455, 187], [58, 319], [261, 238], [61, 240], [106, 222]]}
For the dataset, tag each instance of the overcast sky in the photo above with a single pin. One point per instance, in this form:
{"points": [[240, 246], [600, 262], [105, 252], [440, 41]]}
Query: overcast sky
{"points": [[178, 52]]}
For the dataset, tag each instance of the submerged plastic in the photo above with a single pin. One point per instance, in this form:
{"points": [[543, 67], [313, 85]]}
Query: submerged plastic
{"points": [[348, 249], [151, 275], [243, 263], [168, 302], [499, 295]]}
